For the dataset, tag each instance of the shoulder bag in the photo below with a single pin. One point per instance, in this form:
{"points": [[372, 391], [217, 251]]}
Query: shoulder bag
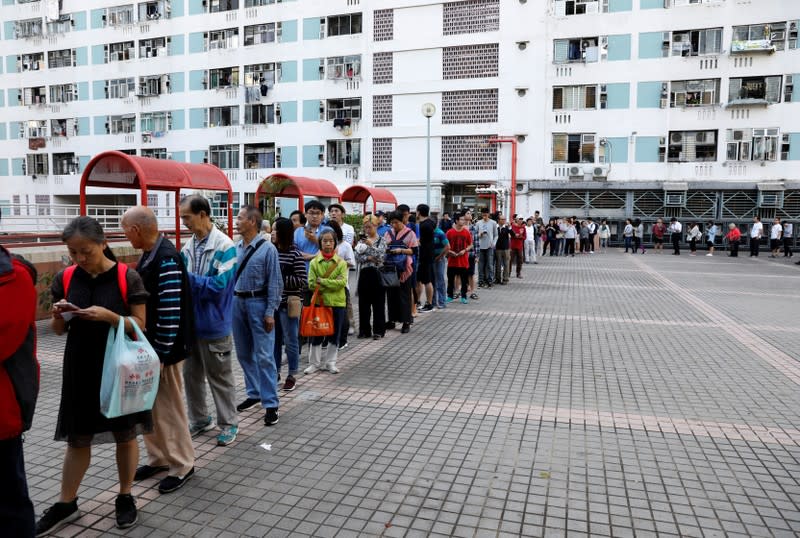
{"points": [[317, 319]]}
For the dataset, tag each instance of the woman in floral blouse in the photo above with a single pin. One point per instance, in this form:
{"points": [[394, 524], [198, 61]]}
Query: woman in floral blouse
{"points": [[370, 252]]}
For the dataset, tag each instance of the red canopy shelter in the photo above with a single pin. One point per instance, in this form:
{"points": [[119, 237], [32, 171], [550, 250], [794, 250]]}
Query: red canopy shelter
{"points": [[114, 169], [359, 194], [285, 186]]}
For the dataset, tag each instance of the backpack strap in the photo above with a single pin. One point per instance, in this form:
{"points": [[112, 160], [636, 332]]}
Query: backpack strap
{"points": [[122, 280]]}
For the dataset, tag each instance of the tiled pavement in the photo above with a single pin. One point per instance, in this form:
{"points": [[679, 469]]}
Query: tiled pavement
{"points": [[605, 395]]}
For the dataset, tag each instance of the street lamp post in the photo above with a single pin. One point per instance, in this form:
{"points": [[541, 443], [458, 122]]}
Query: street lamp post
{"points": [[428, 110]]}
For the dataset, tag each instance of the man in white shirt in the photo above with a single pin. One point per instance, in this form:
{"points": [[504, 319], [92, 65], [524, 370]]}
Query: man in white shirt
{"points": [[675, 230], [775, 236], [336, 213], [788, 230], [756, 231]]}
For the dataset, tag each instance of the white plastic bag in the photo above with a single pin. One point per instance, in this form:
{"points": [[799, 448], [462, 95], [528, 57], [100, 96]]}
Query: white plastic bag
{"points": [[131, 371]]}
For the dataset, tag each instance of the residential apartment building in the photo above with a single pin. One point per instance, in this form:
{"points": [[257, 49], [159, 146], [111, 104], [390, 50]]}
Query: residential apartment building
{"points": [[615, 107]]}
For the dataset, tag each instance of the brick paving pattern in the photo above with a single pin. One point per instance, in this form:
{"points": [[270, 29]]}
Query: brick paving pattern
{"points": [[605, 395]]}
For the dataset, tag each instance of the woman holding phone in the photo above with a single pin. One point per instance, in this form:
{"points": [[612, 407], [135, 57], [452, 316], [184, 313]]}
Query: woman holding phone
{"points": [[85, 310]]}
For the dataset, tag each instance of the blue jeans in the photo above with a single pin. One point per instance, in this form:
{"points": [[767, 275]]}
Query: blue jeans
{"points": [[255, 349], [486, 266], [440, 282], [287, 333]]}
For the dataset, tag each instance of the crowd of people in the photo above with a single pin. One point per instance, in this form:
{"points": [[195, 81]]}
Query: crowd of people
{"points": [[197, 304]]}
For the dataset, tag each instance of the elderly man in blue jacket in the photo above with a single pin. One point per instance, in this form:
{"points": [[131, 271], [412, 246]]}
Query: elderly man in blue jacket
{"points": [[210, 260]]}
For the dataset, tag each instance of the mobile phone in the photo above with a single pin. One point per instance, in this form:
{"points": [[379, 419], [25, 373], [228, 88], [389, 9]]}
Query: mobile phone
{"points": [[66, 307]]}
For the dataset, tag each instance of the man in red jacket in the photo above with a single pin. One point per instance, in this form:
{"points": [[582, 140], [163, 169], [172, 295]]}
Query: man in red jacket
{"points": [[518, 236], [19, 386]]}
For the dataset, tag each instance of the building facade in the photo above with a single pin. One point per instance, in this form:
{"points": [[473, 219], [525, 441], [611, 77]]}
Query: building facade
{"points": [[615, 107]]}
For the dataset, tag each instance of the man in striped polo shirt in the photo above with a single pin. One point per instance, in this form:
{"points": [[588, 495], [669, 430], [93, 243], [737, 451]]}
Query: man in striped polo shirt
{"points": [[169, 330]]}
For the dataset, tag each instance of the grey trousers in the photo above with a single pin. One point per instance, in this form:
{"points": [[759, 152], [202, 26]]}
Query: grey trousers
{"points": [[211, 360], [486, 266], [502, 265]]}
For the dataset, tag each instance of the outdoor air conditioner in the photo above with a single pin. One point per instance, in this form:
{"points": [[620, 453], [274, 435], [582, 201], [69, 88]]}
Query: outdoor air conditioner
{"points": [[674, 199], [522, 187], [600, 171], [676, 138], [704, 137], [770, 199], [575, 171]]}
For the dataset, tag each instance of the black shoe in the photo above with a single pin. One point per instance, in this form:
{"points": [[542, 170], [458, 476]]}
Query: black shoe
{"points": [[248, 404], [289, 384], [389, 325], [427, 308], [147, 471], [171, 483], [377, 336], [488, 285], [406, 328], [362, 335], [127, 516], [57, 516], [271, 416]]}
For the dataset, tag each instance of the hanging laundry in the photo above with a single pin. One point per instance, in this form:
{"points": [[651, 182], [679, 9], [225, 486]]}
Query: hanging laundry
{"points": [[264, 90], [338, 123]]}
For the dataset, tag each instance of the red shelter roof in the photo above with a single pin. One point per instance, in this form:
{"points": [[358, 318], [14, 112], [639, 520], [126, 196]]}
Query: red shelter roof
{"points": [[360, 194], [285, 186], [114, 169]]}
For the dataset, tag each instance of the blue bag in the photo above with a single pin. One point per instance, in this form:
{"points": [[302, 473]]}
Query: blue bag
{"points": [[131, 371]]}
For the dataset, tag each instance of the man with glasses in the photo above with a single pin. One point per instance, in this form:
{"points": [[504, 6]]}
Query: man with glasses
{"points": [[307, 238]]}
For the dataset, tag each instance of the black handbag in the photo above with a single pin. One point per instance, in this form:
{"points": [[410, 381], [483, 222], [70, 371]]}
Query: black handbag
{"points": [[389, 278]]}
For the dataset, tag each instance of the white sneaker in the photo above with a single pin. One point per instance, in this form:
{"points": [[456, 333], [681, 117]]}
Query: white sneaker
{"points": [[709, 254]]}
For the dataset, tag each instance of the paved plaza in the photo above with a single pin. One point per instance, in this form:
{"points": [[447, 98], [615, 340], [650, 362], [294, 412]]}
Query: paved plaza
{"points": [[602, 395]]}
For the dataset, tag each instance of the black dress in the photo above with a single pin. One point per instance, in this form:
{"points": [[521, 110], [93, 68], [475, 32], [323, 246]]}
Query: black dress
{"points": [[80, 422]]}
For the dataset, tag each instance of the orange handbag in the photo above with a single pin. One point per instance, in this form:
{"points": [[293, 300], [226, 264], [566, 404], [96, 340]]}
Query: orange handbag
{"points": [[316, 320]]}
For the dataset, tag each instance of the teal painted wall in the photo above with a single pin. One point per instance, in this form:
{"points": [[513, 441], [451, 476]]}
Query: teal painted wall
{"points": [[2, 98], [796, 93], [289, 71], [83, 91], [650, 45], [195, 8], [98, 55], [82, 56], [100, 125], [289, 157], [197, 118], [648, 95], [177, 82], [311, 69], [311, 28], [618, 152], [615, 6], [177, 7], [618, 95], [288, 111], [619, 47], [179, 156], [311, 110], [13, 97], [80, 20], [97, 18], [4, 170], [196, 80], [647, 149], [288, 31], [8, 30], [98, 89], [11, 64], [197, 155], [3, 134], [13, 130], [651, 4], [83, 160], [196, 42], [16, 167], [83, 127], [176, 45], [310, 156], [794, 147], [178, 120]]}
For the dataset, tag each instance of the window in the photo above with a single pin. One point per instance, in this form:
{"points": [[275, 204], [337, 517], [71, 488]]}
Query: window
{"points": [[222, 39], [225, 157], [575, 97], [118, 52], [152, 85], [788, 89], [224, 77], [574, 148], [36, 164], [765, 144], [341, 67], [692, 146], [223, 116], [60, 26], [255, 3], [63, 127], [344, 24], [259, 34], [120, 88], [156, 47], [61, 58], [36, 129], [757, 90], [257, 74], [65, 163], [259, 155], [344, 152], [154, 10], [580, 49], [155, 122], [155, 153], [785, 146], [34, 96], [696, 42], [344, 109], [125, 123], [761, 37], [216, 6], [119, 15], [30, 62], [686, 93], [580, 7], [28, 28], [259, 114], [64, 93]]}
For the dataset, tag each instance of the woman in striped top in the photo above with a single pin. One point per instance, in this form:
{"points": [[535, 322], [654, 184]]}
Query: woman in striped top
{"points": [[370, 252], [287, 327]]}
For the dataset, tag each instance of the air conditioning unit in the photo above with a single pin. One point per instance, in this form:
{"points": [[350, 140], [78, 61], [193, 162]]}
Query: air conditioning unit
{"points": [[676, 138], [457, 199], [600, 171], [770, 199], [704, 137], [738, 135], [575, 171], [675, 199], [522, 187]]}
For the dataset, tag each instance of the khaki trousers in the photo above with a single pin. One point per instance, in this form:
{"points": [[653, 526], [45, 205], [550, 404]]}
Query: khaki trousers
{"points": [[170, 443]]}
